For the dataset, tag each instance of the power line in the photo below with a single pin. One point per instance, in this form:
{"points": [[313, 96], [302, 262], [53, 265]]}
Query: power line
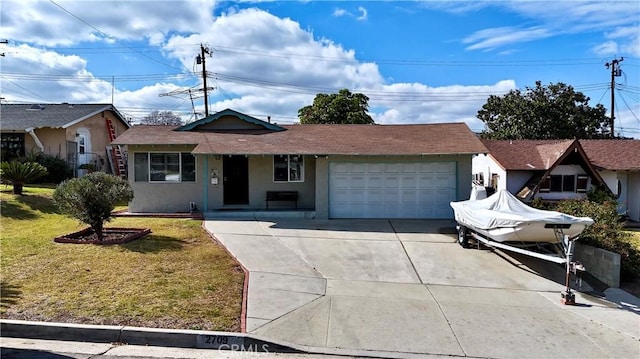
{"points": [[110, 36]]}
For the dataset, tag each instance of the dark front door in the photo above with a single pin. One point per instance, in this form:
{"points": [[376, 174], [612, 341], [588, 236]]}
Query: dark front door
{"points": [[235, 182]]}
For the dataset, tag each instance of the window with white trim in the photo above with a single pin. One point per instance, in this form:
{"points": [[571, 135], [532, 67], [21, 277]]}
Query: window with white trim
{"points": [[82, 144], [288, 168], [164, 167], [581, 183]]}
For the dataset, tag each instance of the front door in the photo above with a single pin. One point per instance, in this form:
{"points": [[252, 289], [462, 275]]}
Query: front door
{"points": [[235, 183]]}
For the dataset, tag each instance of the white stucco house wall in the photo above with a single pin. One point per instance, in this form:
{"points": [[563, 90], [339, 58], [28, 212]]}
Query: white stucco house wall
{"points": [[563, 169]]}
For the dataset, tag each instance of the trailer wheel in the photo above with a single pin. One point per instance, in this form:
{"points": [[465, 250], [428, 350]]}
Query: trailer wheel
{"points": [[463, 236]]}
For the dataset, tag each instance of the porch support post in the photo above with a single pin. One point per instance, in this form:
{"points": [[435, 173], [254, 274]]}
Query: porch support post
{"points": [[205, 183]]}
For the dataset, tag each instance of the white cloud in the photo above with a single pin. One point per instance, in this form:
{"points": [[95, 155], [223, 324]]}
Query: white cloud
{"points": [[363, 14], [555, 19], [606, 48], [340, 12], [627, 41], [423, 104], [500, 36], [56, 77], [71, 22]]}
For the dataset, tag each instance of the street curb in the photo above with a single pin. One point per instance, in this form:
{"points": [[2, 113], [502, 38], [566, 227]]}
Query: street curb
{"points": [[199, 339], [177, 338]]}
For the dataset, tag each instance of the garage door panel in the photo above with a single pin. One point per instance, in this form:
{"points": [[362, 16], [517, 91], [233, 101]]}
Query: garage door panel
{"points": [[409, 181], [375, 168], [392, 190], [375, 181]]}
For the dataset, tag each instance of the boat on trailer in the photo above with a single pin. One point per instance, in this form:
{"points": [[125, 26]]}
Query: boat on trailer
{"points": [[504, 218], [503, 221]]}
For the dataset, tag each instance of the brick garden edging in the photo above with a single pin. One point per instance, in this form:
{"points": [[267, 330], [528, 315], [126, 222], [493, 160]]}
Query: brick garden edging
{"points": [[131, 234]]}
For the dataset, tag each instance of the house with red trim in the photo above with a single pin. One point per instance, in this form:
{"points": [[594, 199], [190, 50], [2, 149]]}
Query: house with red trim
{"points": [[230, 161]]}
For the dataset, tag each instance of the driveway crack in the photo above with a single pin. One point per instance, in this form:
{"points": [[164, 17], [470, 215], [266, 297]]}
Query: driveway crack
{"points": [[405, 252]]}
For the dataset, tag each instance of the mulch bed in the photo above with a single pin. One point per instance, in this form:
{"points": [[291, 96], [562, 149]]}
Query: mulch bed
{"points": [[110, 236]]}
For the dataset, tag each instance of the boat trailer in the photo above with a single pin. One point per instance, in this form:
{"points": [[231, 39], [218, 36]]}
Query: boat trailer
{"points": [[563, 255]]}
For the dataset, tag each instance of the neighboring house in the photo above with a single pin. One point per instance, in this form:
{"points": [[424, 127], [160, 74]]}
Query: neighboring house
{"points": [[78, 133], [618, 162], [562, 169], [230, 161]]}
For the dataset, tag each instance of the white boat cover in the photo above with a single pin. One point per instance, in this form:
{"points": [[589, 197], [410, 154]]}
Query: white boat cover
{"points": [[502, 209]]}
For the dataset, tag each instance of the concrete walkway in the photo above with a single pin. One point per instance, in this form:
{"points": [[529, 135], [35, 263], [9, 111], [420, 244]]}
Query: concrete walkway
{"points": [[402, 288]]}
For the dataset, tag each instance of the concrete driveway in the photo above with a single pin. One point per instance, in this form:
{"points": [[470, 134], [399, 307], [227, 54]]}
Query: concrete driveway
{"points": [[405, 288]]}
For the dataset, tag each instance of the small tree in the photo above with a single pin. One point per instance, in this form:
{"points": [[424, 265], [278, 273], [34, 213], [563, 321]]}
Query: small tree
{"points": [[92, 198], [19, 173]]}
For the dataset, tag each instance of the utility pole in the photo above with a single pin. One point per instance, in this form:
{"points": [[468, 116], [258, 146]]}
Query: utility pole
{"points": [[615, 72], [201, 59]]}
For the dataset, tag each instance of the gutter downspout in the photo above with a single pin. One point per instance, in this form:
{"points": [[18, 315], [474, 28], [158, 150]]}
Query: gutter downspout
{"points": [[31, 131]]}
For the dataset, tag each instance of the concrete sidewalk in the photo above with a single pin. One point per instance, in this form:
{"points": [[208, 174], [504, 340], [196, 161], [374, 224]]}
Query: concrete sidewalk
{"points": [[403, 288]]}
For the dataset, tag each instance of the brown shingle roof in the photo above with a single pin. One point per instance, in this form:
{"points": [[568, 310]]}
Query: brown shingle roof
{"points": [[446, 138], [527, 154], [613, 154]]}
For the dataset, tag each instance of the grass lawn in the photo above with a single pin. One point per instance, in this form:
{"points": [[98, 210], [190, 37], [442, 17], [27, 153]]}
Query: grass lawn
{"points": [[176, 277]]}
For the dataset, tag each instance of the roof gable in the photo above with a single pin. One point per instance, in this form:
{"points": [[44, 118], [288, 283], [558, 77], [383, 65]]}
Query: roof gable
{"points": [[540, 157], [230, 121], [527, 154], [27, 116]]}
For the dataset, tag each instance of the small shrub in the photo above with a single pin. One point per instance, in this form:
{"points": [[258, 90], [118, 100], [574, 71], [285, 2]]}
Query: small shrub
{"points": [[19, 173], [58, 168], [607, 229], [92, 198]]}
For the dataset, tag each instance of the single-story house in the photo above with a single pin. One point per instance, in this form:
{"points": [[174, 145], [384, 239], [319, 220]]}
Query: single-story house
{"points": [[229, 160], [79, 133], [562, 169]]}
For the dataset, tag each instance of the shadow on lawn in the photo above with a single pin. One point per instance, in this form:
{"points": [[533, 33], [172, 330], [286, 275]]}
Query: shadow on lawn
{"points": [[11, 210], [39, 203], [9, 293], [154, 244], [36, 203]]}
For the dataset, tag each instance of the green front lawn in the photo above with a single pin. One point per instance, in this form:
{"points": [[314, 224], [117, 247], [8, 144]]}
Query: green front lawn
{"points": [[176, 277]]}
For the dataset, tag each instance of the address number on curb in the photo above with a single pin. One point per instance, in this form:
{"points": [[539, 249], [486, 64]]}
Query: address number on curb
{"points": [[217, 341]]}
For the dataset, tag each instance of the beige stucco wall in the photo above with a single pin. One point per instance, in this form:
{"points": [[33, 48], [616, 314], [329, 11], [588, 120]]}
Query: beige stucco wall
{"points": [[314, 191], [175, 197], [96, 126], [54, 140]]}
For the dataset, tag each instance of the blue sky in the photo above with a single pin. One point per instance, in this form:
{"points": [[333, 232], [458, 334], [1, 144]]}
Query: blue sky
{"points": [[418, 61]]}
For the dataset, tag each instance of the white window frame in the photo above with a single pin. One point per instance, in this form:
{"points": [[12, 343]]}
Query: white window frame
{"points": [[180, 168], [289, 169]]}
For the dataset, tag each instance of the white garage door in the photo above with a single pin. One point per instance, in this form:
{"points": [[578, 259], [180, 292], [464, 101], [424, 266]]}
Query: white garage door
{"points": [[392, 190]]}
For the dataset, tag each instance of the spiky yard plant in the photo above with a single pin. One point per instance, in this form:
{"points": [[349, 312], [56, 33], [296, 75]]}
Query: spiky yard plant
{"points": [[19, 173], [92, 198]]}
